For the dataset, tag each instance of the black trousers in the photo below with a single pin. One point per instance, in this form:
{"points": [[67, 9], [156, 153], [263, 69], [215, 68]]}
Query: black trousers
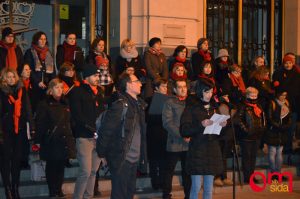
{"points": [[171, 160], [249, 152], [10, 155], [55, 175], [123, 181], [226, 148]]}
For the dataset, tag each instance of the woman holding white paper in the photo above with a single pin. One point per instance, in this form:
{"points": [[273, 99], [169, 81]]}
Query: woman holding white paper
{"points": [[204, 158]]}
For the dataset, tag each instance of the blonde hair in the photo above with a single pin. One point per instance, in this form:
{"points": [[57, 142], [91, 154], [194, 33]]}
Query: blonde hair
{"points": [[127, 42], [52, 84], [177, 65], [4, 73], [250, 90]]}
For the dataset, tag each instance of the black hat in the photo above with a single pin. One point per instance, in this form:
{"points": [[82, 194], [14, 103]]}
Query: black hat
{"points": [[89, 69], [154, 40], [6, 31]]}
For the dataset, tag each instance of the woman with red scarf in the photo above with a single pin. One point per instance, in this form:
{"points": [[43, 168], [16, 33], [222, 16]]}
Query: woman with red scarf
{"points": [[70, 52], [15, 112], [251, 126], [201, 56], [11, 55], [233, 85], [41, 64], [207, 73], [180, 55]]}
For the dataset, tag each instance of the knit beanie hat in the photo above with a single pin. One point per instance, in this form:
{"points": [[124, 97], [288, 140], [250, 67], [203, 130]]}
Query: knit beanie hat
{"points": [[200, 42], [154, 40], [6, 31], [89, 70], [223, 53]]}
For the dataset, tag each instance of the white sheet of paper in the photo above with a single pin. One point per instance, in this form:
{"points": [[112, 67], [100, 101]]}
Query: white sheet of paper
{"points": [[215, 128]]}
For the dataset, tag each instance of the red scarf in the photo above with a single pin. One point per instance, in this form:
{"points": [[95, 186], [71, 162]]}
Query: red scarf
{"points": [[69, 52], [26, 83], [224, 62], [238, 82], [211, 79], [181, 98], [180, 59], [66, 88], [205, 55], [174, 76], [155, 51], [94, 88], [42, 52], [11, 58], [17, 110], [257, 110]]}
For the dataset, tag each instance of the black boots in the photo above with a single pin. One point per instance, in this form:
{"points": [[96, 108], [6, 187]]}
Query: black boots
{"points": [[8, 192], [15, 192]]}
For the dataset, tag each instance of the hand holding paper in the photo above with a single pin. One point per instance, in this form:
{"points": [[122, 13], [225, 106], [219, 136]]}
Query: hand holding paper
{"points": [[219, 121]]}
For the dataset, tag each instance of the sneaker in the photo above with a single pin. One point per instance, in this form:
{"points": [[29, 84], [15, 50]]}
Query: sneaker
{"points": [[218, 182], [227, 181]]}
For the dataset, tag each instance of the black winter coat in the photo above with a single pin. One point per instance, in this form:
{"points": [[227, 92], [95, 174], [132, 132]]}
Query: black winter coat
{"points": [[122, 64], [250, 127], [277, 133], [7, 110], [85, 108], [112, 143], [204, 155], [54, 130], [3, 55]]}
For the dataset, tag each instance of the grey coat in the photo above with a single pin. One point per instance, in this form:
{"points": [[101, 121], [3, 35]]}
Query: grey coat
{"points": [[157, 68], [171, 115]]}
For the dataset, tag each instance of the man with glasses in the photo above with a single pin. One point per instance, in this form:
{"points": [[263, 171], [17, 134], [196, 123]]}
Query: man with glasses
{"points": [[122, 137]]}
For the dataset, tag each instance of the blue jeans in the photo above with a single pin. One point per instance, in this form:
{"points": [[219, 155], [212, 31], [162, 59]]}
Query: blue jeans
{"points": [[207, 186], [275, 158]]}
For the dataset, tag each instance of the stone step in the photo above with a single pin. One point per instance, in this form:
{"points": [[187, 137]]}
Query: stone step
{"points": [[30, 188], [72, 172], [218, 192]]}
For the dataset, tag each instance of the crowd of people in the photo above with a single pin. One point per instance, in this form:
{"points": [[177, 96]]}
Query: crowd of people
{"points": [[148, 109]]}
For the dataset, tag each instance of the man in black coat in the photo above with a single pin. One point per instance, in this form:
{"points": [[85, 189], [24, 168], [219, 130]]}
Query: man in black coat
{"points": [[123, 141], [86, 103]]}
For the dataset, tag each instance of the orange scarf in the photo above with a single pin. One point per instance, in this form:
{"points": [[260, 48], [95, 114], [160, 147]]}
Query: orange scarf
{"points": [[238, 82], [11, 58], [94, 88], [257, 110], [66, 88], [26, 83], [17, 111]]}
